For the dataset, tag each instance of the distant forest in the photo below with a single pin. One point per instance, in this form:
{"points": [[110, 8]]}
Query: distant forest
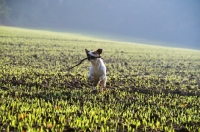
{"points": [[29, 12]]}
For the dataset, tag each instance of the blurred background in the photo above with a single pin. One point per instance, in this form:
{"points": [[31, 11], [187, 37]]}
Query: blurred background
{"points": [[164, 22]]}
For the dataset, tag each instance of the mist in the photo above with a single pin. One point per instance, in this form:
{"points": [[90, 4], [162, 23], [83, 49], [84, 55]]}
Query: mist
{"points": [[171, 23]]}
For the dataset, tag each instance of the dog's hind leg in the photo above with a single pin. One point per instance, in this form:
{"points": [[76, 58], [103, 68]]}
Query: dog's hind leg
{"points": [[101, 78]]}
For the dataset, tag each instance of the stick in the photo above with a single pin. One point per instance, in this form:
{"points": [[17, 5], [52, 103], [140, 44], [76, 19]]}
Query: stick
{"points": [[77, 64]]}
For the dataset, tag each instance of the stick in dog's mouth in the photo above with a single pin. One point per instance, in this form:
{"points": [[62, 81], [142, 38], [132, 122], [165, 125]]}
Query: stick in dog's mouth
{"points": [[90, 57]]}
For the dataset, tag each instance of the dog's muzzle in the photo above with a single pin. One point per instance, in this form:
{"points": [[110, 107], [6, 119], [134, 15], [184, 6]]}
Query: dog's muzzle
{"points": [[90, 57]]}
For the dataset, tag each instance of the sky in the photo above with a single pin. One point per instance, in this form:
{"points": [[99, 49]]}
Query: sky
{"points": [[170, 22]]}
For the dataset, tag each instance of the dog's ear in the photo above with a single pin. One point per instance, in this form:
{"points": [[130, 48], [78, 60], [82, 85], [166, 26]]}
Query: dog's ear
{"points": [[86, 50], [99, 51]]}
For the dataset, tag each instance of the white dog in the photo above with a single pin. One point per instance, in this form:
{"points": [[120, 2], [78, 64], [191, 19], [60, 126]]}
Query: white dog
{"points": [[97, 72]]}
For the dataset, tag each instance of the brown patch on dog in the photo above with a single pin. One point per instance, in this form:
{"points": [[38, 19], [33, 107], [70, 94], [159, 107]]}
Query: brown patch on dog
{"points": [[99, 51]]}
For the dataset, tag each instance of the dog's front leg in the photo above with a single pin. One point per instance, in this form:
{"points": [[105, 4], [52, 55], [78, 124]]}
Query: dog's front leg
{"points": [[103, 80], [91, 79]]}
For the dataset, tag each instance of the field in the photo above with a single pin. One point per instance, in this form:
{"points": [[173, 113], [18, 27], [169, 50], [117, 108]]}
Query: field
{"points": [[149, 88]]}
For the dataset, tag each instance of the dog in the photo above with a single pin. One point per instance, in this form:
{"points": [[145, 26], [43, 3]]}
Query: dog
{"points": [[97, 72]]}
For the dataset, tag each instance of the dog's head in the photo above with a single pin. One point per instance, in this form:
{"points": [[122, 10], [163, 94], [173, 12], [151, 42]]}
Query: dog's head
{"points": [[92, 55]]}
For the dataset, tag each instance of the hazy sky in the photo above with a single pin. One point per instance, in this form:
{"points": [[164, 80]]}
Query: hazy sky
{"points": [[170, 21]]}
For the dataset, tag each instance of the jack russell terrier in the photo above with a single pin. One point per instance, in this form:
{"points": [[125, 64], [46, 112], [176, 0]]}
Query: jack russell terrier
{"points": [[97, 72]]}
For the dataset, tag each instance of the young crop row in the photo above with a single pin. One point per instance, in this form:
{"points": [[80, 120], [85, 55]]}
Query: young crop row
{"points": [[149, 88]]}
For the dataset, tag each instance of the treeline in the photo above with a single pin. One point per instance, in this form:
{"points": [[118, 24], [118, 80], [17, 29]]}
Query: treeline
{"points": [[76, 14], [31, 12]]}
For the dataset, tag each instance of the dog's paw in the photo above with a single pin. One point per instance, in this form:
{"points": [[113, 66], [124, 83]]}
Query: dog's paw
{"points": [[94, 91], [91, 78]]}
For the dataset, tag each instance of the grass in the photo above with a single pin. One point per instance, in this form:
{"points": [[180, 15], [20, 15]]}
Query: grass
{"points": [[149, 88]]}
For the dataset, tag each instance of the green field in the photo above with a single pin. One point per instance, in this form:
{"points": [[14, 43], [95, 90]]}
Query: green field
{"points": [[149, 88]]}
